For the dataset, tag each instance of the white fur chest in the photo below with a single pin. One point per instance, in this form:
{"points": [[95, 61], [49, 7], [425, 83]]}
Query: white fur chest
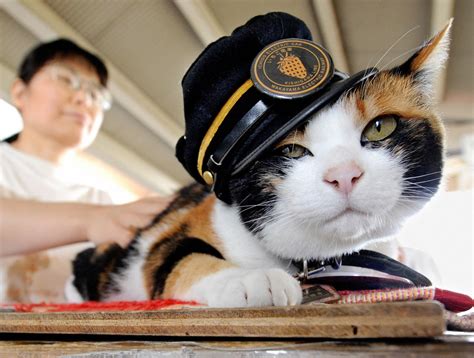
{"points": [[240, 246]]}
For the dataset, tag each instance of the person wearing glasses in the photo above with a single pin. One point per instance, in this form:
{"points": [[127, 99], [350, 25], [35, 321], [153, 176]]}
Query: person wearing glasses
{"points": [[61, 93]]}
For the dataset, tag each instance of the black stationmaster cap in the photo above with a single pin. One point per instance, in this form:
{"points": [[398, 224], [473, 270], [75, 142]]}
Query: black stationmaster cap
{"points": [[247, 91]]}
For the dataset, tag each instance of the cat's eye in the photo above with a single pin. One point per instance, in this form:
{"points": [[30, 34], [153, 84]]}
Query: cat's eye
{"points": [[379, 128], [294, 151]]}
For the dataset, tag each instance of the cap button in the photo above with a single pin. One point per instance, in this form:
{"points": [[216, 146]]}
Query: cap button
{"points": [[208, 177]]}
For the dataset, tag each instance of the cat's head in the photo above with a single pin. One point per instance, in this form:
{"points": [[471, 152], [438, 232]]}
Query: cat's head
{"points": [[355, 170]]}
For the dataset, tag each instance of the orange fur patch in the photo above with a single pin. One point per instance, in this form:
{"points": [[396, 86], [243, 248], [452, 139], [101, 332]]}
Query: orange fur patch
{"points": [[427, 50], [100, 249], [361, 106], [156, 257], [200, 224], [197, 222], [391, 94], [189, 271], [21, 276], [104, 276]]}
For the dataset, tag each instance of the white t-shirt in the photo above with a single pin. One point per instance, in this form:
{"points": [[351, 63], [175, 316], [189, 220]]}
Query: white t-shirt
{"points": [[41, 276]]}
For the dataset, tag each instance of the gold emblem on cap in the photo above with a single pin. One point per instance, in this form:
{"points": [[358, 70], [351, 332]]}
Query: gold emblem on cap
{"points": [[291, 68]]}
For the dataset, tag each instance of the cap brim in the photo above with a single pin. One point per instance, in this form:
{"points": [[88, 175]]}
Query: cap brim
{"points": [[302, 115]]}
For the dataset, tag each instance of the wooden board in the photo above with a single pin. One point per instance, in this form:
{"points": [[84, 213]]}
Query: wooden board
{"points": [[111, 346], [398, 319]]}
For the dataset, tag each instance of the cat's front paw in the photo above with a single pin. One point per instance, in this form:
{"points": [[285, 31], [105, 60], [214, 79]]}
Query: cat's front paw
{"points": [[237, 287]]}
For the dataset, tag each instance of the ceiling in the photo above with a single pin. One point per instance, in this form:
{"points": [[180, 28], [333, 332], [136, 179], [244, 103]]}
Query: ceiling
{"points": [[149, 44]]}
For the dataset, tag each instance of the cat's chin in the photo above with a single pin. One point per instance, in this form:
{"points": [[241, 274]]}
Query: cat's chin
{"points": [[347, 217], [346, 232]]}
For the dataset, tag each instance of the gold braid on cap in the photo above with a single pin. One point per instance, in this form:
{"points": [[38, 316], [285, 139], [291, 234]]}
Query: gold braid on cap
{"points": [[211, 132]]}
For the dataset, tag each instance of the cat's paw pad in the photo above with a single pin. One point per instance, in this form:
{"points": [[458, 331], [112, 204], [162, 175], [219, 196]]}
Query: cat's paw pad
{"points": [[251, 288]]}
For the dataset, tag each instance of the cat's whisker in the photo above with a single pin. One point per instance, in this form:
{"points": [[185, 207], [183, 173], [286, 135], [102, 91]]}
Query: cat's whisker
{"points": [[419, 188], [285, 216], [366, 84], [413, 199], [416, 193], [418, 184], [243, 200], [403, 206], [280, 221], [417, 196], [423, 175], [396, 58], [262, 217], [269, 217], [408, 200], [256, 207], [395, 43], [266, 203]]}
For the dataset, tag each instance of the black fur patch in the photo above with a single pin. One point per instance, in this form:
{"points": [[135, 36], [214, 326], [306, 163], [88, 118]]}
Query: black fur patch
{"points": [[405, 69], [188, 196], [87, 267], [174, 250], [254, 191], [417, 144]]}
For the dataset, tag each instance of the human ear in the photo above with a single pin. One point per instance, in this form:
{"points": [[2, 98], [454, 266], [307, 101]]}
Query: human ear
{"points": [[17, 93]]}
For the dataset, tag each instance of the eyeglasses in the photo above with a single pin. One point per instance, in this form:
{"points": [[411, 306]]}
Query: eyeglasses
{"points": [[98, 95]]}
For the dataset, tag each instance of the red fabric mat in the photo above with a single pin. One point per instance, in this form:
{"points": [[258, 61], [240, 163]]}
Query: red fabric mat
{"points": [[101, 306], [453, 301]]}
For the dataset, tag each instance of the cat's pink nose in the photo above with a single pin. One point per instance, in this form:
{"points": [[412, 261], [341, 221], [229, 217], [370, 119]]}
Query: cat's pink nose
{"points": [[344, 177]]}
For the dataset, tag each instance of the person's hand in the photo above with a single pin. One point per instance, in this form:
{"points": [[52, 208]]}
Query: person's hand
{"points": [[119, 223]]}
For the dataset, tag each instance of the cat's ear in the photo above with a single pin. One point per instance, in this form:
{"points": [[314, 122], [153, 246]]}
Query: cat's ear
{"points": [[425, 65]]}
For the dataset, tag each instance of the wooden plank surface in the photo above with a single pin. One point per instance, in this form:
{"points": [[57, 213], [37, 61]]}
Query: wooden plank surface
{"points": [[398, 319], [150, 347]]}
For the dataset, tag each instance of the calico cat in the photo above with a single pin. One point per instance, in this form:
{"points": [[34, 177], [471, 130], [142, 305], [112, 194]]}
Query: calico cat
{"points": [[345, 178]]}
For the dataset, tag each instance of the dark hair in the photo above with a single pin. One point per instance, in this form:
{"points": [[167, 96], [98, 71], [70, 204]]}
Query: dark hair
{"points": [[61, 48], [57, 49]]}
